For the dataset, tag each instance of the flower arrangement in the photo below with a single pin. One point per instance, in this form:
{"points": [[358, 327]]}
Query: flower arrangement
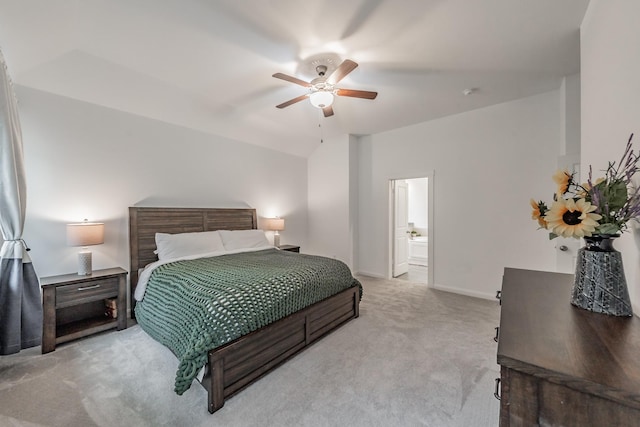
{"points": [[603, 206]]}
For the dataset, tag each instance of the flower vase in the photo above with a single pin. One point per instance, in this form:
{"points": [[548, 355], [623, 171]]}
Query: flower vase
{"points": [[599, 284]]}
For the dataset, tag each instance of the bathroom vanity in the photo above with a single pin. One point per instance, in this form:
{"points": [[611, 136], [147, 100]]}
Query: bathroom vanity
{"points": [[418, 250]]}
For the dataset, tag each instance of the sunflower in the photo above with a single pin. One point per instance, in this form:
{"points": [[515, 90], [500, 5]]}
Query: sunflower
{"points": [[539, 209], [571, 218], [563, 178]]}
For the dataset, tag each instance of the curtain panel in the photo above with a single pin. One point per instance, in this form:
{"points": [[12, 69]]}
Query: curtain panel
{"points": [[20, 299]]}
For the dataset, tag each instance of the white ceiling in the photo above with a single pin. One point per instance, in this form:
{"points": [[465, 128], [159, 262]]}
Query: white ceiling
{"points": [[207, 64]]}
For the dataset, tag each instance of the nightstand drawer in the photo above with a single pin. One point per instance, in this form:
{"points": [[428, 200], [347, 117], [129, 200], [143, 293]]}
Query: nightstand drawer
{"points": [[80, 293]]}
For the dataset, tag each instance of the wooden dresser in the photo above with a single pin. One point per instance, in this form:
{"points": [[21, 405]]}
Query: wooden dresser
{"points": [[562, 365]]}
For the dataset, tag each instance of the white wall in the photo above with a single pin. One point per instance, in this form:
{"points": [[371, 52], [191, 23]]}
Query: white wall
{"points": [[610, 78], [86, 161], [570, 116], [417, 209], [330, 185], [354, 184], [487, 164]]}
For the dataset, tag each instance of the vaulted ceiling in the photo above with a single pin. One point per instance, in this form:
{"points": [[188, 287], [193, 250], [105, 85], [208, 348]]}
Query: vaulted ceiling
{"points": [[208, 64]]}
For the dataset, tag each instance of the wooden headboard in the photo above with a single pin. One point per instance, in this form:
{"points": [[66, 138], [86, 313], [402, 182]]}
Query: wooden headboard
{"points": [[144, 223]]}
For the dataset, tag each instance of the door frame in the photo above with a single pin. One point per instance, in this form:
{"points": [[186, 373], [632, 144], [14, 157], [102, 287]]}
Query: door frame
{"points": [[430, 221]]}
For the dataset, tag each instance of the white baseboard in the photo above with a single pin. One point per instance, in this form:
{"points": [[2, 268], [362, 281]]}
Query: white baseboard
{"points": [[476, 294], [375, 275], [469, 293]]}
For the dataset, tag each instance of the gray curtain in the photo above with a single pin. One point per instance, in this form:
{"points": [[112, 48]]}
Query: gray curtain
{"points": [[20, 300]]}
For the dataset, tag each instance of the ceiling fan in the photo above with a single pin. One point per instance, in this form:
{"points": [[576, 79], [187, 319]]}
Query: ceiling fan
{"points": [[322, 89]]}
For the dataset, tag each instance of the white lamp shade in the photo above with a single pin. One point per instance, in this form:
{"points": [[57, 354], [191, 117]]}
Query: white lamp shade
{"points": [[321, 99], [275, 224], [85, 234]]}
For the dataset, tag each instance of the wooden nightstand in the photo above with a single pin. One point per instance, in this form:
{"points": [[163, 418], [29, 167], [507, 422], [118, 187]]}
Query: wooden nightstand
{"points": [[290, 248], [75, 306]]}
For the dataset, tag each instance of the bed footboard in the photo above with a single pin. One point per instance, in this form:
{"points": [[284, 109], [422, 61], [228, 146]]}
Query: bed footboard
{"points": [[236, 365]]}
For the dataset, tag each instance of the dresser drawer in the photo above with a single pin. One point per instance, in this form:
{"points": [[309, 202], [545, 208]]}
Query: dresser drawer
{"points": [[80, 293]]}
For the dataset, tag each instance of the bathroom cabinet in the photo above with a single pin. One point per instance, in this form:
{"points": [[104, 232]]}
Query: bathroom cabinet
{"points": [[418, 251]]}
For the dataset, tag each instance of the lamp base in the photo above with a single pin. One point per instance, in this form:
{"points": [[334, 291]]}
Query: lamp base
{"points": [[84, 263], [276, 240]]}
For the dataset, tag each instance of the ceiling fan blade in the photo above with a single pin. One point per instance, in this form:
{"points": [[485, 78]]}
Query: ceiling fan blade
{"points": [[293, 101], [291, 79], [357, 93], [341, 72], [328, 111]]}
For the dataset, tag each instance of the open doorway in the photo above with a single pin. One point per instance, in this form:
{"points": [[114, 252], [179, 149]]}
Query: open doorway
{"points": [[411, 229]]}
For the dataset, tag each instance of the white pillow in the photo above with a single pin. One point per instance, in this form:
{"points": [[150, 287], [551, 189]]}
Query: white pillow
{"points": [[243, 239], [172, 246]]}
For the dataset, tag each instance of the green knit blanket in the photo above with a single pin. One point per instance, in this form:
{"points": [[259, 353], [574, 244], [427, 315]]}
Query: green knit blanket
{"points": [[196, 305]]}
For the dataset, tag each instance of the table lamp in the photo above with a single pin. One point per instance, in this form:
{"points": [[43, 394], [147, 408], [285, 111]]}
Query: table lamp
{"points": [[275, 224], [85, 234]]}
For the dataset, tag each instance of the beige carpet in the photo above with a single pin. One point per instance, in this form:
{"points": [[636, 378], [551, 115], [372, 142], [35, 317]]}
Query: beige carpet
{"points": [[414, 357]]}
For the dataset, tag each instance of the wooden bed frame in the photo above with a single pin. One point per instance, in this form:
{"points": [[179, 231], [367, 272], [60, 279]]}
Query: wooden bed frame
{"points": [[238, 364]]}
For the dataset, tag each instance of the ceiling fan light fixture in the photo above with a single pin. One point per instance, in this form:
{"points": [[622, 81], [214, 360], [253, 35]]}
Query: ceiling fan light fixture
{"points": [[322, 90], [321, 99]]}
